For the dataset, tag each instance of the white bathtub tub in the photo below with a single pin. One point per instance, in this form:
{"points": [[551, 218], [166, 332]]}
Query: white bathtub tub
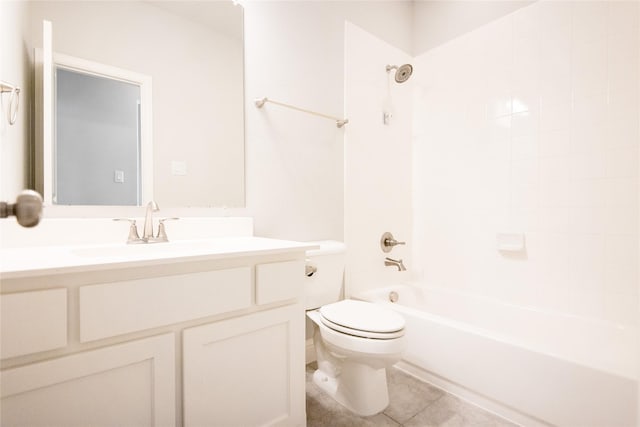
{"points": [[532, 366]]}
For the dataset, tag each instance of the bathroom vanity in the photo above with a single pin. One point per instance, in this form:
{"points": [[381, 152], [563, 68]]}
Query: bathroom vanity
{"points": [[193, 333]]}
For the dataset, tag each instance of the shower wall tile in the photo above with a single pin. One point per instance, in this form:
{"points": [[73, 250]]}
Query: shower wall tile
{"points": [[622, 64], [620, 308], [553, 219], [621, 162], [525, 22], [589, 67], [587, 303], [587, 193], [531, 124], [586, 262], [619, 254], [586, 165], [623, 16], [555, 143], [554, 25], [590, 21], [554, 116], [524, 147]]}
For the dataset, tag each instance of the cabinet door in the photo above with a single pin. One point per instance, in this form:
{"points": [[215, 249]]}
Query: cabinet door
{"points": [[33, 321], [127, 384], [247, 371]]}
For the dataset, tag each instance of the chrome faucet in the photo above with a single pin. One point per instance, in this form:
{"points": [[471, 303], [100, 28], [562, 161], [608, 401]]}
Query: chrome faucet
{"points": [[147, 233], [388, 262]]}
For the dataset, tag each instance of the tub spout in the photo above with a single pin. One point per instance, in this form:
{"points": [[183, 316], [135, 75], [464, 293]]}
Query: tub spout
{"points": [[394, 262]]}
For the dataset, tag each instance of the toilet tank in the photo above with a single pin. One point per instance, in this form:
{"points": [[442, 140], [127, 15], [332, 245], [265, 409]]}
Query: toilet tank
{"points": [[325, 285]]}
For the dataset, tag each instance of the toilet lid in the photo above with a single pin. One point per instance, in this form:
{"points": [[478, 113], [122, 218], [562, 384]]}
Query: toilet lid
{"points": [[362, 318]]}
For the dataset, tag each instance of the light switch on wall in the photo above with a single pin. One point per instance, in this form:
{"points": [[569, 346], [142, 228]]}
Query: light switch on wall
{"points": [[118, 176], [178, 167]]}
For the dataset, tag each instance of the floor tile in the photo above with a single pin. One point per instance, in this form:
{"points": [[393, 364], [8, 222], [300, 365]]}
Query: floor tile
{"points": [[323, 411], [412, 403], [450, 411], [408, 395]]}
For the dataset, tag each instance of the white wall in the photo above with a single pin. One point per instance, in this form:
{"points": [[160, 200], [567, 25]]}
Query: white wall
{"points": [[530, 124], [14, 69], [295, 53], [436, 22], [377, 178]]}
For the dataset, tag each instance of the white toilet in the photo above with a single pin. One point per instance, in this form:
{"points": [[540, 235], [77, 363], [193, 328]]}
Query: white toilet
{"points": [[355, 341]]}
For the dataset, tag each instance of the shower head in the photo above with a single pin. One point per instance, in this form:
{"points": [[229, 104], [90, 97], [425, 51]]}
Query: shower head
{"points": [[403, 72]]}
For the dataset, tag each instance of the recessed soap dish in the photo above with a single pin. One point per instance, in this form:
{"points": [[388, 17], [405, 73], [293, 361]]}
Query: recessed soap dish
{"points": [[510, 242]]}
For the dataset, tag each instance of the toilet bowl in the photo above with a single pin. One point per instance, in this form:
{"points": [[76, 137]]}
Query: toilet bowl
{"points": [[355, 341], [360, 330]]}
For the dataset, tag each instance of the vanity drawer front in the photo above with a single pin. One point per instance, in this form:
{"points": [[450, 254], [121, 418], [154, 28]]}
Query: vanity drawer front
{"points": [[279, 281], [33, 322], [111, 309]]}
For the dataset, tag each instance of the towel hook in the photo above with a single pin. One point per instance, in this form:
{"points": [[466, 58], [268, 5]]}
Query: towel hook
{"points": [[14, 101]]}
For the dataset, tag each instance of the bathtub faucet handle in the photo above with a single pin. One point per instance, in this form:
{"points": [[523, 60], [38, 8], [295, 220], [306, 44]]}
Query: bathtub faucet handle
{"points": [[393, 242], [387, 242]]}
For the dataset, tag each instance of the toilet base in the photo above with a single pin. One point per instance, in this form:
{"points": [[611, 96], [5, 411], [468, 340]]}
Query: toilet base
{"points": [[358, 387]]}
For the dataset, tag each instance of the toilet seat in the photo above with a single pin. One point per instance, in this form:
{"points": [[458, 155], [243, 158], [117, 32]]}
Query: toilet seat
{"points": [[360, 333], [362, 319]]}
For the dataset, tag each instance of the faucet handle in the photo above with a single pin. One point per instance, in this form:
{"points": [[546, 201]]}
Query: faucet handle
{"points": [[133, 230], [387, 242], [393, 242], [162, 233]]}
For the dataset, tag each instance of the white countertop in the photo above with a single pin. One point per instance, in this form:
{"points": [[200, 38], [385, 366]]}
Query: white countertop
{"points": [[47, 260]]}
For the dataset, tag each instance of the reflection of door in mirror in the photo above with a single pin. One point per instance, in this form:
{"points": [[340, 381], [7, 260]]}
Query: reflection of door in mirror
{"points": [[97, 142], [94, 127]]}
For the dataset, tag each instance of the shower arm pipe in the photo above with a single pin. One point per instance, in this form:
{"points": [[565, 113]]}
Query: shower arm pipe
{"points": [[339, 122]]}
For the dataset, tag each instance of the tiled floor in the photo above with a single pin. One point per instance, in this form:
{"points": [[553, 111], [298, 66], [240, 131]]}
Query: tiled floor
{"points": [[412, 403]]}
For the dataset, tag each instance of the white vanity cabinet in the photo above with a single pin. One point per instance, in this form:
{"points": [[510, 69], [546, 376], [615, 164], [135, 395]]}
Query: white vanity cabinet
{"points": [[32, 322], [199, 341], [242, 371], [126, 384]]}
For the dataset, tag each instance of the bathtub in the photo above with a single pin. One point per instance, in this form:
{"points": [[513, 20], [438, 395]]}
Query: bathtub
{"points": [[531, 366]]}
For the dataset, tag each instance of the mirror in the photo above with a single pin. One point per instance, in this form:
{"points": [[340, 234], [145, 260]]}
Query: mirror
{"points": [[192, 52]]}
